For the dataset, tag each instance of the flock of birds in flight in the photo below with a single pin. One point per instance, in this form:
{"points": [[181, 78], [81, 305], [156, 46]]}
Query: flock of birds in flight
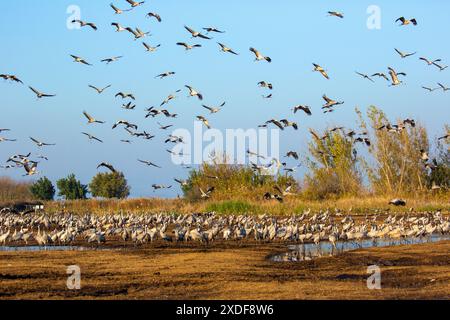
{"points": [[330, 104]]}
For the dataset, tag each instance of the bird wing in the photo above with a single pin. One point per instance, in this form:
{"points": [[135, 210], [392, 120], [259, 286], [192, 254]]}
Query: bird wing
{"points": [[95, 88], [190, 30], [314, 134], [204, 37], [398, 51], [34, 140], [324, 73], [92, 25], [110, 167], [157, 16], [328, 100], [278, 124], [88, 116], [34, 90]]}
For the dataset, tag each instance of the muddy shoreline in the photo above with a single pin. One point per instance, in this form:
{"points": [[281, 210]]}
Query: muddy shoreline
{"points": [[227, 271]]}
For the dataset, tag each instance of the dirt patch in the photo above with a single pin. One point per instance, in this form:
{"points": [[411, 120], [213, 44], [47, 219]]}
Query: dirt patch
{"points": [[224, 271]]}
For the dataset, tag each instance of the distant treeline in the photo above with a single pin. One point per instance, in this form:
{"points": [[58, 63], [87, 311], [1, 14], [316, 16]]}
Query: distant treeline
{"points": [[11, 190]]}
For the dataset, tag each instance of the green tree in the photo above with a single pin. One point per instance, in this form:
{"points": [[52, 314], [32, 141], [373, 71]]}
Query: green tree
{"points": [[71, 189], [43, 189], [110, 185]]}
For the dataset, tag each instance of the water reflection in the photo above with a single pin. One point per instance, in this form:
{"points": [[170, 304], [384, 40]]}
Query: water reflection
{"points": [[309, 251]]}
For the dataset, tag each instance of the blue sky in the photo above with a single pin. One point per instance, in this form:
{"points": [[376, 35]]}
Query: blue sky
{"points": [[36, 45]]}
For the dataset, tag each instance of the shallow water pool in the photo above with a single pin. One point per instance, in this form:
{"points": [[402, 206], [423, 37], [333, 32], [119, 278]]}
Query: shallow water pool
{"points": [[309, 251]]}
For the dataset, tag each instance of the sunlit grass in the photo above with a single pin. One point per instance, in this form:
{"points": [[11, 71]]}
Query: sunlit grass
{"points": [[232, 207], [291, 205]]}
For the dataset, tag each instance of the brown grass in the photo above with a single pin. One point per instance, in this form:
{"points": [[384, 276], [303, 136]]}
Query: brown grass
{"points": [[236, 272], [294, 204], [11, 190]]}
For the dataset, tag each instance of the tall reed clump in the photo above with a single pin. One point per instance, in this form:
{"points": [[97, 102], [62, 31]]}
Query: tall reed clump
{"points": [[11, 190], [232, 181], [333, 166], [398, 166], [439, 170]]}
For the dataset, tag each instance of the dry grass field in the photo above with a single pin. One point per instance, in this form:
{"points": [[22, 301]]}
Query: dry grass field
{"points": [[224, 271], [245, 205]]}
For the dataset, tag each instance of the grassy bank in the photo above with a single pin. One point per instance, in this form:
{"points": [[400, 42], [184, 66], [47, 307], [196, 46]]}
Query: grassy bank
{"points": [[355, 205]]}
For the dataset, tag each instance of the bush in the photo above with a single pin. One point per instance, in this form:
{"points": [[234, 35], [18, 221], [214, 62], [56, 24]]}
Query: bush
{"points": [[231, 207], [71, 189], [333, 166], [11, 190], [398, 167], [233, 182], [322, 185], [43, 189], [439, 174], [110, 185]]}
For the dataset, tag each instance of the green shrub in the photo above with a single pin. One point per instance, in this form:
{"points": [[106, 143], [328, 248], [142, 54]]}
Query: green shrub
{"points": [[110, 185], [231, 207], [233, 182], [71, 189]]}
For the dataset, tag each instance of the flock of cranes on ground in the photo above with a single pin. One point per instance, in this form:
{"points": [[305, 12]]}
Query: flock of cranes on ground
{"points": [[330, 103], [139, 229]]}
